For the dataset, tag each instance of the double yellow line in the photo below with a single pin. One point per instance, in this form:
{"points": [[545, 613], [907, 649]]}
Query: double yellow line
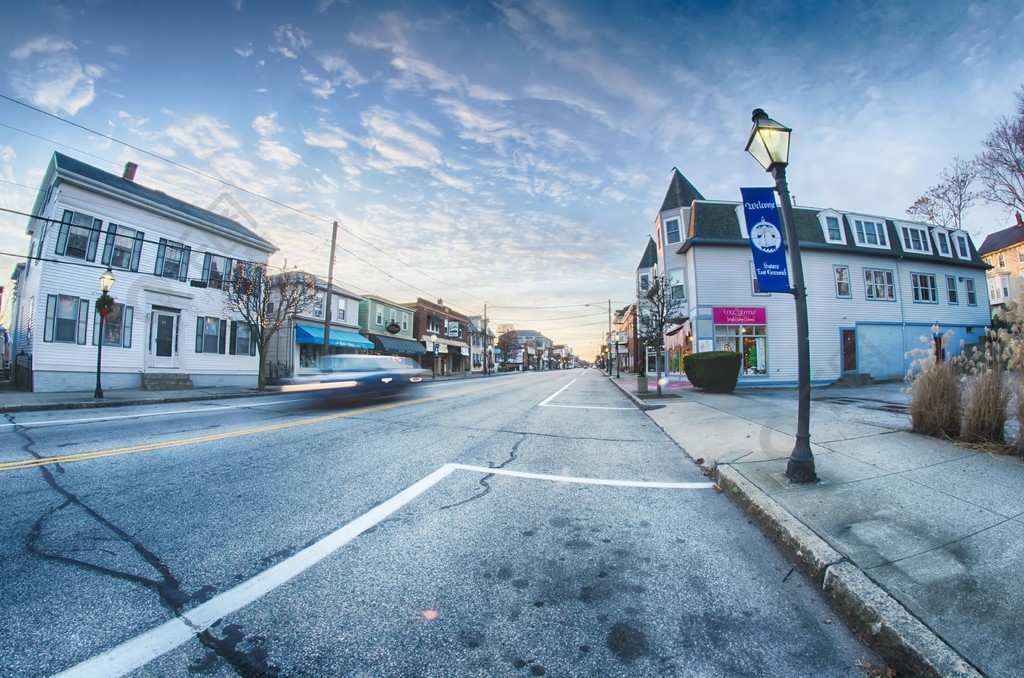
{"points": [[99, 454]]}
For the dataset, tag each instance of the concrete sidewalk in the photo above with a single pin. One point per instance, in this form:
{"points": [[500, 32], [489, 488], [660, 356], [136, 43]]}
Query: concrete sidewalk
{"points": [[918, 542]]}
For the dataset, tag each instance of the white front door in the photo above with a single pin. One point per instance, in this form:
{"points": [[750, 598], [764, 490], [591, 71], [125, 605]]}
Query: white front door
{"points": [[164, 333]]}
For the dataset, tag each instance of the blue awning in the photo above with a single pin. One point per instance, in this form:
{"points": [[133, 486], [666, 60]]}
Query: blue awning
{"points": [[311, 334]]}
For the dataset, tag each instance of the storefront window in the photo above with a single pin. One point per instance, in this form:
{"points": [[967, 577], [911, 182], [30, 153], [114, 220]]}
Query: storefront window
{"points": [[309, 355], [750, 340]]}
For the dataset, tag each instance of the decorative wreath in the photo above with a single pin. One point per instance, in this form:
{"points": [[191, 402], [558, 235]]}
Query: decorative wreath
{"points": [[104, 304]]}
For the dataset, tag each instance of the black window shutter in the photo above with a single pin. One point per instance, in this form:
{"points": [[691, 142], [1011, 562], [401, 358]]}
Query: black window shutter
{"points": [[108, 244], [126, 327], [186, 253], [94, 239], [51, 313], [83, 319], [140, 237], [252, 340], [161, 248], [62, 237], [199, 334], [223, 335], [234, 333], [206, 267]]}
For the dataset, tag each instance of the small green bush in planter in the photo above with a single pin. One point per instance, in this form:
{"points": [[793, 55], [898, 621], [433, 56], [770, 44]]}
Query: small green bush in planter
{"points": [[715, 371]]}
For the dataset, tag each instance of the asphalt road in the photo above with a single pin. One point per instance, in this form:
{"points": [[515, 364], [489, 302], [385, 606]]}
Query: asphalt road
{"points": [[531, 524]]}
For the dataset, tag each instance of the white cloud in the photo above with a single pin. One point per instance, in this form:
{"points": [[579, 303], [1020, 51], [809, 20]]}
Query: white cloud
{"points": [[332, 138], [341, 68], [278, 153], [50, 75], [289, 41], [204, 135], [244, 52], [321, 87], [397, 145], [266, 125]]}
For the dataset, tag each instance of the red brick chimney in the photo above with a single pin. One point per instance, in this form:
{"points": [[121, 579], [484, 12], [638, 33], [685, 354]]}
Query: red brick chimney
{"points": [[1019, 222], [129, 171]]}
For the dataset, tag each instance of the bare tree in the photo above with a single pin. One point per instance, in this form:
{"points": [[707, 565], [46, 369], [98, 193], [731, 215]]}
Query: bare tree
{"points": [[656, 310], [1001, 162], [266, 302], [946, 202], [507, 341]]}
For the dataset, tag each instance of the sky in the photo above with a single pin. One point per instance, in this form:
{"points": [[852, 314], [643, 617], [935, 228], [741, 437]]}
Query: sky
{"points": [[512, 153]]}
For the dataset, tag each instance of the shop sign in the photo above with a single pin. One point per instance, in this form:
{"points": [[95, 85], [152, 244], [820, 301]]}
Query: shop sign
{"points": [[453, 328], [766, 243], [738, 316]]}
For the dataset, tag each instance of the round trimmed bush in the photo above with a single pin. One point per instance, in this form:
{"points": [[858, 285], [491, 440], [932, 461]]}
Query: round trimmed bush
{"points": [[715, 371]]}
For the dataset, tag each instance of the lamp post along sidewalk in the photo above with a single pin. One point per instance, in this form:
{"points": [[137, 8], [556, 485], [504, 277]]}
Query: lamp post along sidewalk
{"points": [[769, 144], [104, 303]]}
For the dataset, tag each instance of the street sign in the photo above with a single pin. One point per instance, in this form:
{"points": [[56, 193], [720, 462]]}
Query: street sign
{"points": [[437, 349], [766, 242]]}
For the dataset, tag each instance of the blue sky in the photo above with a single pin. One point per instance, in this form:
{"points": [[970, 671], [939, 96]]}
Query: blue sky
{"points": [[512, 152]]}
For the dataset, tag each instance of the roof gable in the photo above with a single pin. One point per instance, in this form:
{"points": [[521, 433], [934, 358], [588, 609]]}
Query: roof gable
{"points": [[67, 165], [650, 258], [1000, 240]]}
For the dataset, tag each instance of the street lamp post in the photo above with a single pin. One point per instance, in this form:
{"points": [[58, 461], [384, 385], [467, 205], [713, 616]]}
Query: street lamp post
{"points": [[769, 144], [103, 305], [940, 355], [433, 363]]}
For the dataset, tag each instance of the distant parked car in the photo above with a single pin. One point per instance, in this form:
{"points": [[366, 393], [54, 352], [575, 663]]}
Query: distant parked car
{"points": [[359, 377]]}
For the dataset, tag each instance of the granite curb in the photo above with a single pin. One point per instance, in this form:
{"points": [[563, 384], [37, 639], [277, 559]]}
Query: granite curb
{"points": [[896, 635]]}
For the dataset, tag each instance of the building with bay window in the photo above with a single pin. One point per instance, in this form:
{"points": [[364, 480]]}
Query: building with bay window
{"points": [[171, 324], [876, 286]]}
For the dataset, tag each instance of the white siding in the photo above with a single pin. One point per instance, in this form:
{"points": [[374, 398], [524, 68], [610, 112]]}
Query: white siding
{"points": [[722, 279]]}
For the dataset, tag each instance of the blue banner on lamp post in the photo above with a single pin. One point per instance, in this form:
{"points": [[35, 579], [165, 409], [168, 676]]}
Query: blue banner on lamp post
{"points": [[766, 242]]}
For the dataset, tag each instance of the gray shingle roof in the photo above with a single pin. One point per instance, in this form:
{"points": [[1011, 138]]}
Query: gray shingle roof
{"points": [[650, 257], [681, 192], [1000, 240], [717, 223], [67, 164]]}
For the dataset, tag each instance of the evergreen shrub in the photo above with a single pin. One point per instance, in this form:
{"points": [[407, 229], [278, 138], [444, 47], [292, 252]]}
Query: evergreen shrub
{"points": [[715, 371]]}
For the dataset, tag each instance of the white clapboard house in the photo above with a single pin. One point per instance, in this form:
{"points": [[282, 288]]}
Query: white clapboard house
{"points": [[876, 286], [171, 326]]}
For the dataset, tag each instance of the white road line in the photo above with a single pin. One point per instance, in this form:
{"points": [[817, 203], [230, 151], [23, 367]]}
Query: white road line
{"points": [[590, 407], [587, 481], [115, 417], [144, 648], [556, 393]]}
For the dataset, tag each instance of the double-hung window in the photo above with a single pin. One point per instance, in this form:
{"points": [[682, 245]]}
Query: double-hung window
{"points": [[842, 274], [117, 329], [172, 259], [835, 231], [341, 309], [879, 285], [242, 342], [924, 287], [951, 292], [943, 241], [66, 317], [318, 306], [870, 233], [122, 247], [961, 246], [672, 231], [211, 335], [216, 270], [405, 321], [380, 316], [1001, 260], [972, 295], [78, 236]]}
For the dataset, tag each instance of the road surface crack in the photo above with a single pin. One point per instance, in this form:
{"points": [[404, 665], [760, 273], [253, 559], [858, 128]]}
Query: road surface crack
{"points": [[512, 456], [111, 544]]}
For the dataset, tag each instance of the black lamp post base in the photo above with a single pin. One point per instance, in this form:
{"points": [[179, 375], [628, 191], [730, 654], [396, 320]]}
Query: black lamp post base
{"points": [[98, 393]]}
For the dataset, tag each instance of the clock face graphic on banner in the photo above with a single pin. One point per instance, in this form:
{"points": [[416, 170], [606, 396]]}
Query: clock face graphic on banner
{"points": [[766, 237]]}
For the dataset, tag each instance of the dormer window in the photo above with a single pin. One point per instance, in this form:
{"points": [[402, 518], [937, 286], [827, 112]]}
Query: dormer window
{"points": [[915, 238], [942, 244], [963, 250], [832, 227], [870, 233]]}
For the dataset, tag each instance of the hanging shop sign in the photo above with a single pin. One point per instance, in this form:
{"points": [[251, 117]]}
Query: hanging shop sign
{"points": [[766, 242]]}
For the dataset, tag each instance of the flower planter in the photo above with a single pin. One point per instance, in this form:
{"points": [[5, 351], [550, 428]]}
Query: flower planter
{"points": [[641, 384]]}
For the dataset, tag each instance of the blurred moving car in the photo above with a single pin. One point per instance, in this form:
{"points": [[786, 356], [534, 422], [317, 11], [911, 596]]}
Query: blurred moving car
{"points": [[359, 377]]}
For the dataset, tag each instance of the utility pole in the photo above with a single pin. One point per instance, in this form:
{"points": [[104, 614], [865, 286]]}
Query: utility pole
{"points": [[329, 294], [486, 359], [608, 339]]}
